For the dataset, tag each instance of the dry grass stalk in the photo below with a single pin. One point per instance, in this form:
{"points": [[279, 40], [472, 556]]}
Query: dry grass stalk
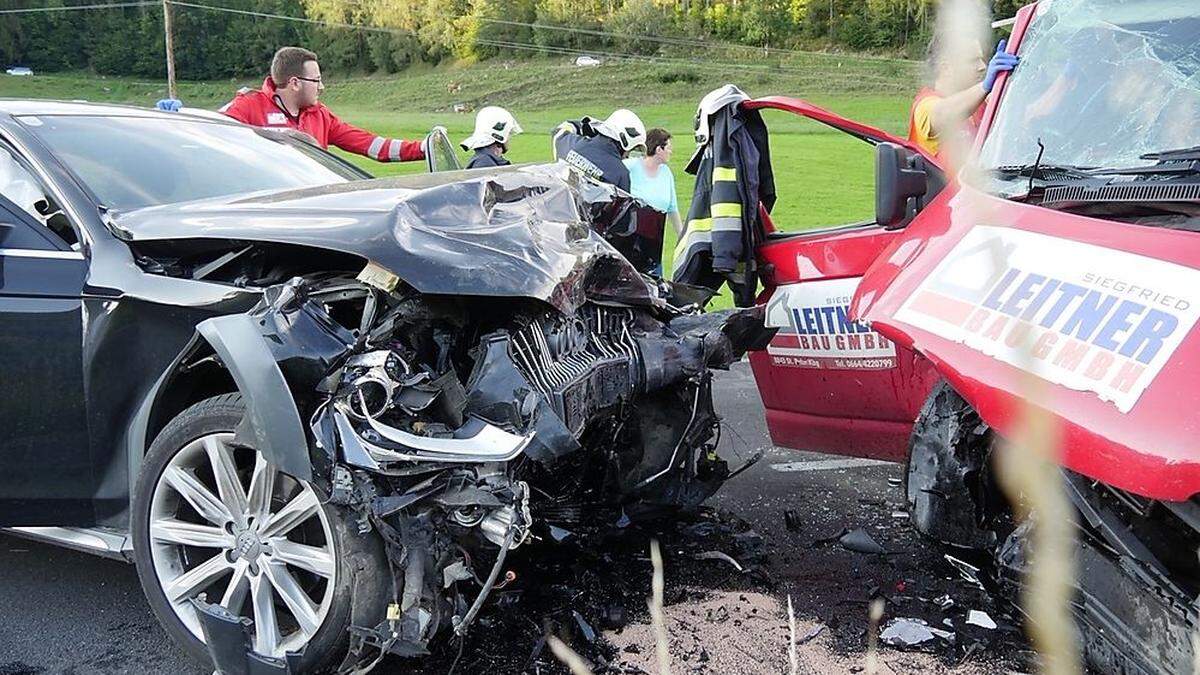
{"points": [[1031, 476], [1029, 470], [793, 660], [875, 613], [656, 611], [568, 656]]}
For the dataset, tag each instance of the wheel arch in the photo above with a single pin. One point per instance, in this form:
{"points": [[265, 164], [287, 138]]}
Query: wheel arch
{"points": [[227, 354]]}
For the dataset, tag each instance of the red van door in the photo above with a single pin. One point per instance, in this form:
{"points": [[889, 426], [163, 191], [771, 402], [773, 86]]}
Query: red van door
{"points": [[828, 383]]}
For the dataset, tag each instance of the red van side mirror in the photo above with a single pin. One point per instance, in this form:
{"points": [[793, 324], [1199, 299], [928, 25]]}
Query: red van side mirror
{"points": [[904, 183]]}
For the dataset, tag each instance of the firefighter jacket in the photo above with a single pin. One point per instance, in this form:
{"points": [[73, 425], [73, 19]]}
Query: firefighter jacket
{"points": [[482, 159], [600, 157], [567, 135], [262, 108], [724, 227]]}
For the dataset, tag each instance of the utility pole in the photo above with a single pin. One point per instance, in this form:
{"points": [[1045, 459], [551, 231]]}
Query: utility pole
{"points": [[170, 49]]}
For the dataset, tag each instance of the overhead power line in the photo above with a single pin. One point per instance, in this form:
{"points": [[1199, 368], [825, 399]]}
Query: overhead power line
{"points": [[72, 8], [673, 39], [285, 17], [526, 46], [684, 41]]}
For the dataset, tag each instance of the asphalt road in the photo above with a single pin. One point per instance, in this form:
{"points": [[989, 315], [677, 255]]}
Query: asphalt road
{"points": [[68, 612]]}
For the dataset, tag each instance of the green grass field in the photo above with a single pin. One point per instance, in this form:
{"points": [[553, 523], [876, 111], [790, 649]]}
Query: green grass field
{"points": [[823, 177]]}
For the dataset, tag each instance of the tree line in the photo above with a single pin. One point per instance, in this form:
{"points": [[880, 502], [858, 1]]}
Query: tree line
{"points": [[211, 44]]}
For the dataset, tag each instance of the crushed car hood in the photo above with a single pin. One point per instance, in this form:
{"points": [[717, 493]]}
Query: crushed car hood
{"points": [[524, 232]]}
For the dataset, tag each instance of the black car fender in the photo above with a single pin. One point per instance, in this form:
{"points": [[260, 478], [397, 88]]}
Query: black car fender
{"points": [[272, 417], [273, 420]]}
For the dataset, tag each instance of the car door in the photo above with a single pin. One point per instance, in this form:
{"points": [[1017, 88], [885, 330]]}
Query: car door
{"points": [[46, 472], [439, 152], [828, 383]]}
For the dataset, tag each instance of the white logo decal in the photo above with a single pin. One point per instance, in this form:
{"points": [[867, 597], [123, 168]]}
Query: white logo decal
{"points": [[1086, 317], [816, 332]]}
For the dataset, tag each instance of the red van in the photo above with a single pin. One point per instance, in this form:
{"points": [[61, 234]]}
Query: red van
{"points": [[1063, 273]]}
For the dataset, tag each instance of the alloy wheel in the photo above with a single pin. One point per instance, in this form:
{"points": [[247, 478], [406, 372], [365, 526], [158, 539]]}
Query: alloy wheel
{"points": [[226, 524]]}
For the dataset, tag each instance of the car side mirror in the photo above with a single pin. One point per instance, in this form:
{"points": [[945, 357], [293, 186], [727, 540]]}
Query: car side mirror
{"points": [[904, 183]]}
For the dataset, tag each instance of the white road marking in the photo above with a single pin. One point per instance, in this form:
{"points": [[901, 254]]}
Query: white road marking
{"points": [[830, 464]]}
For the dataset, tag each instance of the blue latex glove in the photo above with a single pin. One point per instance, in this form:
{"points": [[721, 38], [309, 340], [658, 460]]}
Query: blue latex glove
{"points": [[169, 105], [1001, 62]]}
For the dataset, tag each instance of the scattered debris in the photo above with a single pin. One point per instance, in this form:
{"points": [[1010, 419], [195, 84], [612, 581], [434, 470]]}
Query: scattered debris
{"points": [[861, 542], [560, 535], [811, 635], [791, 520], [614, 617], [900, 515], [969, 572], [585, 628], [979, 618], [717, 555], [895, 482], [944, 602], [906, 632]]}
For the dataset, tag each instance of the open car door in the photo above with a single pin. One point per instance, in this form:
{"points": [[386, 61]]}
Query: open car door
{"points": [[828, 383], [439, 152]]}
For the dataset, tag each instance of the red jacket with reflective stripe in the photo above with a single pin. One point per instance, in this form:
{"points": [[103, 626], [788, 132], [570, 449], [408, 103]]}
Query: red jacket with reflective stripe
{"points": [[260, 109]]}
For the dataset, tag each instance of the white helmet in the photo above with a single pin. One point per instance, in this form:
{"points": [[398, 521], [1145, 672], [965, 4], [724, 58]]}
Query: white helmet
{"points": [[624, 127], [493, 124], [711, 103]]}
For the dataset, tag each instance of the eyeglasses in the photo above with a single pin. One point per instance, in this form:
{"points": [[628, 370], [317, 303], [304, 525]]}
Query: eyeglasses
{"points": [[308, 79]]}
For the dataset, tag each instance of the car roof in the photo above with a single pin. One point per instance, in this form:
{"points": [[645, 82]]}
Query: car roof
{"points": [[12, 106]]}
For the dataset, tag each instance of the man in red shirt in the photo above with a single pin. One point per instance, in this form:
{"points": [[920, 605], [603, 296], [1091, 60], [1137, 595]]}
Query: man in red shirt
{"points": [[288, 98]]}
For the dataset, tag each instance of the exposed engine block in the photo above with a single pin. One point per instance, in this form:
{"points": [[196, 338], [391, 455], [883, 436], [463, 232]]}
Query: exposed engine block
{"points": [[581, 364]]}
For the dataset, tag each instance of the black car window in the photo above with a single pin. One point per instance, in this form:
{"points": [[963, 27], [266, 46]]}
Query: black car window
{"points": [[134, 162], [22, 190], [19, 230]]}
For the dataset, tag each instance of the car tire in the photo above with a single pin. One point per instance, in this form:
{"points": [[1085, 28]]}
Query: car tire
{"points": [[950, 491], [358, 570]]}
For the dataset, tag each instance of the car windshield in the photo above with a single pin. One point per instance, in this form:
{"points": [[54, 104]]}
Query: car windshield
{"points": [[1101, 83], [134, 162]]}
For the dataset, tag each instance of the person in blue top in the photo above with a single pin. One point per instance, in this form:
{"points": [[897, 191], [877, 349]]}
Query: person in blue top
{"points": [[651, 180]]}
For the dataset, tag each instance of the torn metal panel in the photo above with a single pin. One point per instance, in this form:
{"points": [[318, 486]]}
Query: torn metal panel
{"points": [[535, 231], [270, 410]]}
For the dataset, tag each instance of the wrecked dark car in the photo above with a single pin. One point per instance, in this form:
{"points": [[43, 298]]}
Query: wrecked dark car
{"points": [[319, 411]]}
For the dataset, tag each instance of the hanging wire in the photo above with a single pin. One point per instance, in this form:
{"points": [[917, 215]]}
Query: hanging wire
{"points": [[72, 8]]}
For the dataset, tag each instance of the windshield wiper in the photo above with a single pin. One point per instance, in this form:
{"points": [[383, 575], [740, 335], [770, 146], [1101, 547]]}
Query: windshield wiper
{"points": [[1039, 171], [1175, 163], [1177, 155]]}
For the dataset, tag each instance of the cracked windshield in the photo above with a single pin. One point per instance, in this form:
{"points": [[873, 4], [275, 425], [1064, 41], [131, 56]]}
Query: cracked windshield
{"points": [[1137, 93]]}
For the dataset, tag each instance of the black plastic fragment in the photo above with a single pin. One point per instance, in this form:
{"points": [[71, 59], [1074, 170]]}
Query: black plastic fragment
{"points": [[230, 644]]}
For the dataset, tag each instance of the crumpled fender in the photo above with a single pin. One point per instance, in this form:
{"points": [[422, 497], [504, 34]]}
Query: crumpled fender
{"points": [[949, 287], [271, 411]]}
